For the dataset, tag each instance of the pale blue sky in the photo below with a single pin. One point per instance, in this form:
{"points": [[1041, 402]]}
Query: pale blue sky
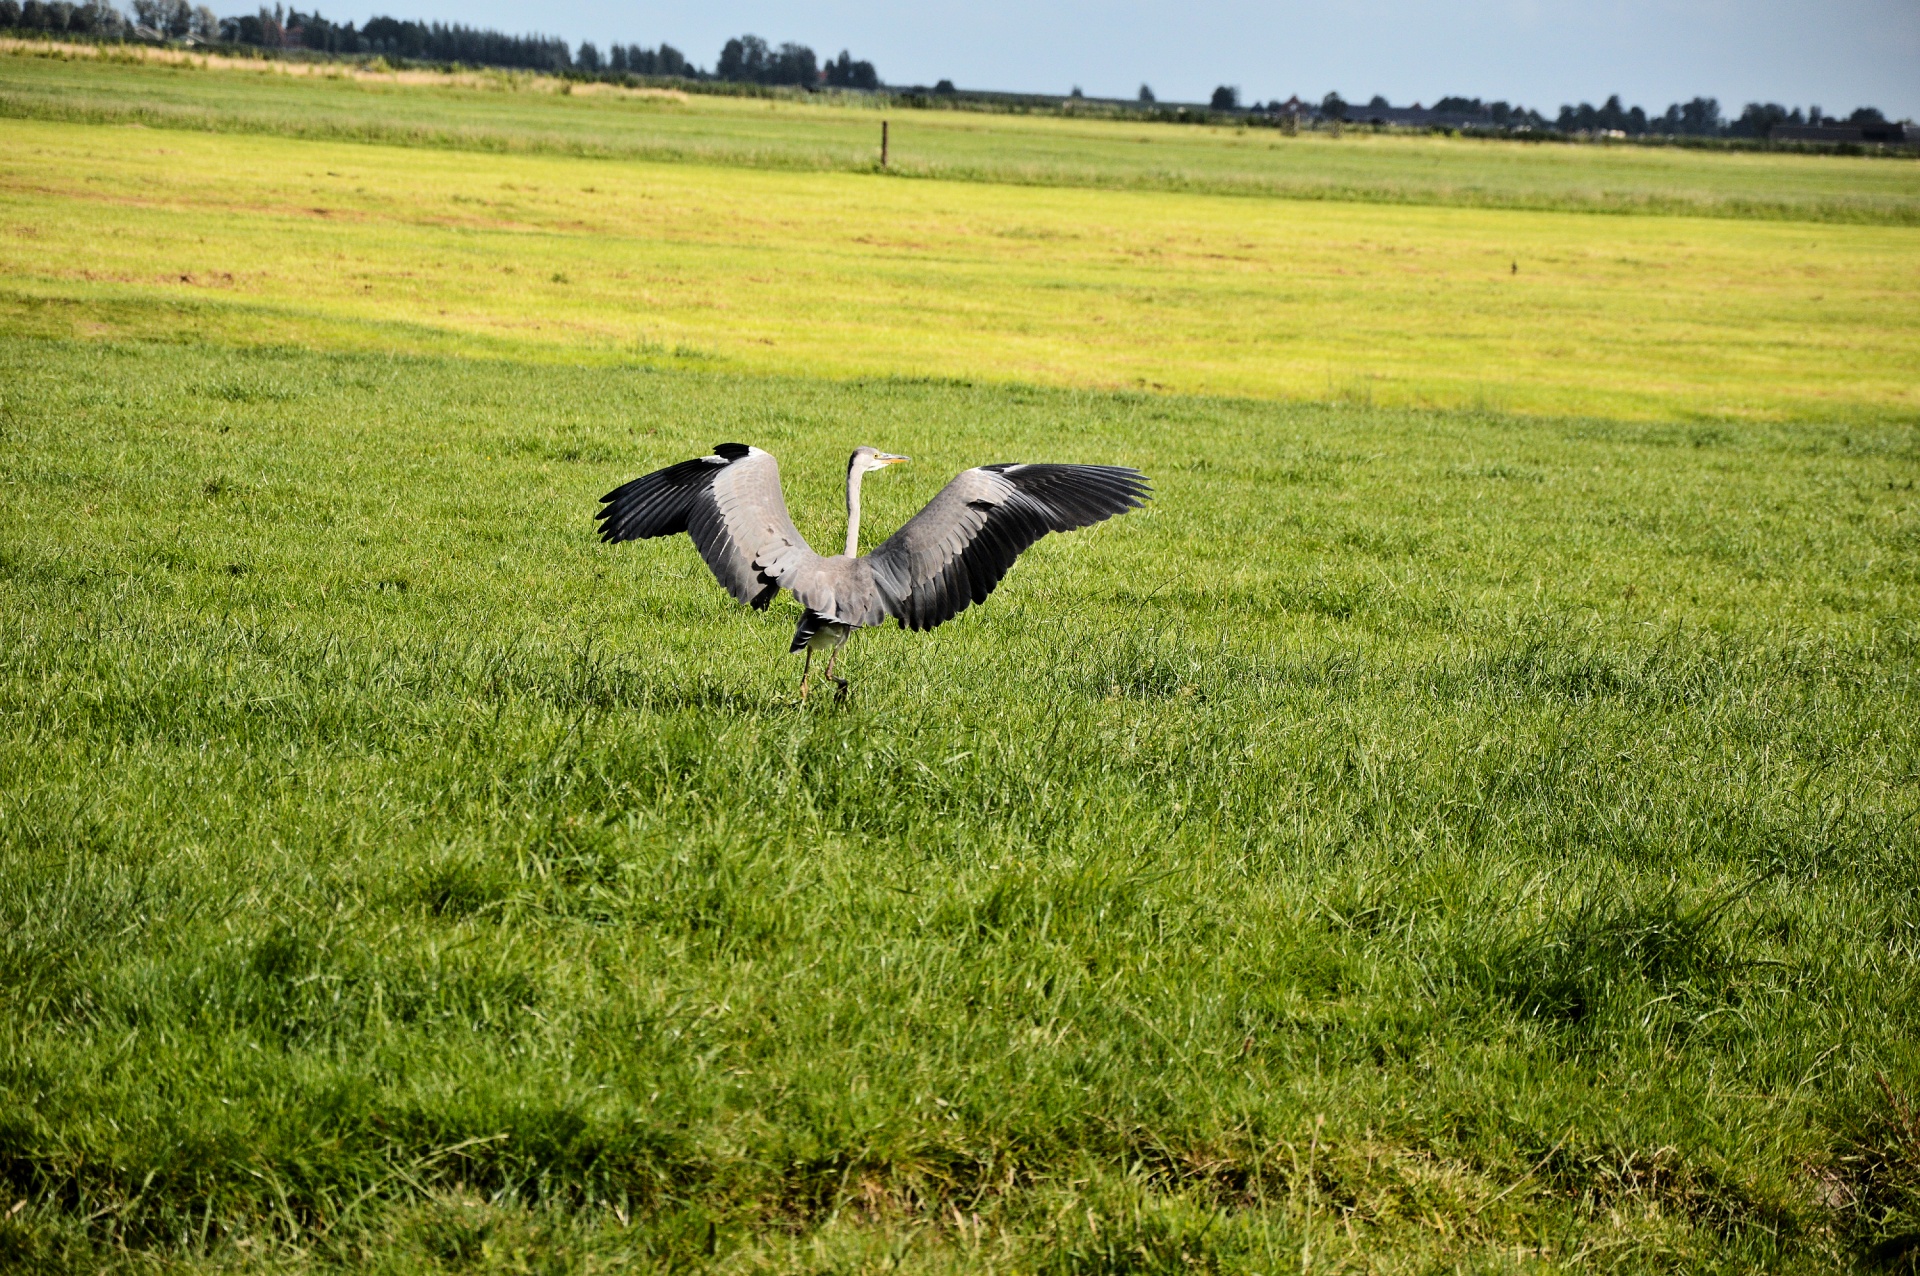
{"points": [[1837, 53]]}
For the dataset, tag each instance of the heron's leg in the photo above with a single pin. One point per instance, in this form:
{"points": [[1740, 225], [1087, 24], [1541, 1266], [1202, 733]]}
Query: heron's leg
{"points": [[805, 669], [831, 657]]}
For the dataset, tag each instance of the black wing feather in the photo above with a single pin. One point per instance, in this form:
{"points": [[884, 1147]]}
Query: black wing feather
{"points": [[1046, 498], [655, 504]]}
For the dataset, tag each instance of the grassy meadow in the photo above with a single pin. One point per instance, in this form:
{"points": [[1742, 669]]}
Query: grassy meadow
{"points": [[149, 233], [514, 113], [1469, 821]]}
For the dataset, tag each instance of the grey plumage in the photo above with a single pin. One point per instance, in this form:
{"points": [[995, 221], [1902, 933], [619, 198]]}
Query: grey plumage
{"points": [[945, 558], [955, 551]]}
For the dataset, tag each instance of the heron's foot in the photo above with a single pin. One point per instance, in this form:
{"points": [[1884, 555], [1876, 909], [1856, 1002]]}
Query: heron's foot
{"points": [[843, 692]]}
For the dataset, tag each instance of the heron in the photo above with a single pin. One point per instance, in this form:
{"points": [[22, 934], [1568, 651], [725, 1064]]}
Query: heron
{"points": [[943, 559]]}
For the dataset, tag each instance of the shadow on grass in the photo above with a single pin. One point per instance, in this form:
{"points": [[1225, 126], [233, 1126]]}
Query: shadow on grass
{"points": [[1607, 952]]}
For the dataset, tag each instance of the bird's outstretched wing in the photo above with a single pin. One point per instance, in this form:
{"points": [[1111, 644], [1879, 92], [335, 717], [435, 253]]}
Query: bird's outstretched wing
{"points": [[953, 552], [730, 504]]}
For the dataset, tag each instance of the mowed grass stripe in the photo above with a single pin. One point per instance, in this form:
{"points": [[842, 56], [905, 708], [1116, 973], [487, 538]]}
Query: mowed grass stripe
{"points": [[846, 275], [510, 113]]}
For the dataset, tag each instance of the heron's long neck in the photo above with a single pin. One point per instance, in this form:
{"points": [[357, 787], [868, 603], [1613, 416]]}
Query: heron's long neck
{"points": [[853, 510]]}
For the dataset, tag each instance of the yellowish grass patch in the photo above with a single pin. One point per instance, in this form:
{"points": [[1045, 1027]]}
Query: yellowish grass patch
{"points": [[855, 275]]}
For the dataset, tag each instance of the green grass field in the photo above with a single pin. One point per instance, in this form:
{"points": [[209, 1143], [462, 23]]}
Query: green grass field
{"points": [[507, 113], [1426, 838]]}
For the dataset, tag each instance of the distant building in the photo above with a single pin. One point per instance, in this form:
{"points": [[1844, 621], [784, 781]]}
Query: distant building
{"points": [[1882, 134]]}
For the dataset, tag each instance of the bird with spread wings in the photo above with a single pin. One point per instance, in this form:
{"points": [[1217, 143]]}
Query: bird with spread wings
{"points": [[949, 555]]}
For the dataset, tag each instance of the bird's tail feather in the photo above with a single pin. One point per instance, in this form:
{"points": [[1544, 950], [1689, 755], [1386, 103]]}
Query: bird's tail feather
{"points": [[810, 624]]}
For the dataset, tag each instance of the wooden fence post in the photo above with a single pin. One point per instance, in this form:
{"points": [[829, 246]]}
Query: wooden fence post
{"points": [[883, 143]]}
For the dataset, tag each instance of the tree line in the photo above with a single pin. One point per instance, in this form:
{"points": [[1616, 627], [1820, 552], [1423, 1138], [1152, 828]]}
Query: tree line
{"points": [[747, 59], [97, 18], [1700, 117]]}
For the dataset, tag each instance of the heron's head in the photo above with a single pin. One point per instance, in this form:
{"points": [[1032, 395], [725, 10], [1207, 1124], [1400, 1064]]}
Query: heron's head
{"points": [[867, 459]]}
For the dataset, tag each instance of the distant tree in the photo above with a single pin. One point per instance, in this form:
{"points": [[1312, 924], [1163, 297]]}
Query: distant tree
{"points": [[1701, 117], [1698, 118], [1613, 115], [1867, 115], [742, 58], [312, 31], [588, 58], [1225, 98], [672, 62], [391, 37], [748, 59], [1146, 94], [178, 18], [1333, 106], [95, 17], [794, 64], [1758, 119], [946, 87], [1499, 114], [9, 13], [616, 57], [845, 73], [148, 13], [1378, 103], [1608, 117], [260, 29], [1076, 92]]}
